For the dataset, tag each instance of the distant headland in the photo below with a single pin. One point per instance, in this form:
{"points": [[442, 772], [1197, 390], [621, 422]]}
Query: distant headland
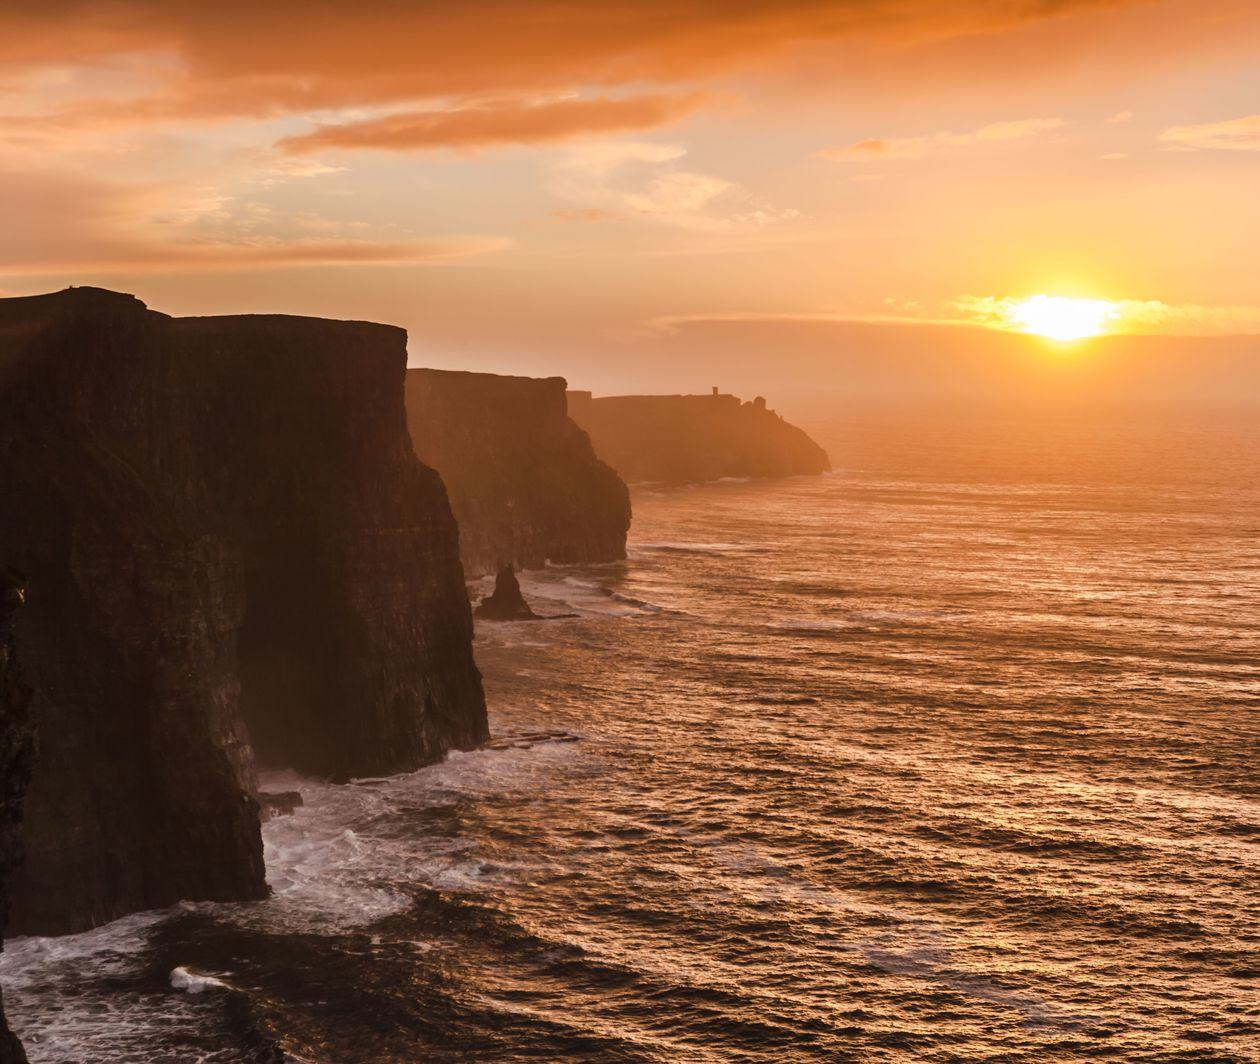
{"points": [[680, 439]]}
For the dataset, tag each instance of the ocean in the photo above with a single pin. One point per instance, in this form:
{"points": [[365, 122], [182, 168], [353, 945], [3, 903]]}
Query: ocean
{"points": [[950, 755]]}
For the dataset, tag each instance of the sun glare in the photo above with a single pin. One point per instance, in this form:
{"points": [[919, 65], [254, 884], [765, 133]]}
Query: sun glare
{"points": [[1062, 318]]}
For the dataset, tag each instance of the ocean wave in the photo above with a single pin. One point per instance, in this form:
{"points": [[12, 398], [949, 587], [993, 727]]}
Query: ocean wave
{"points": [[85, 997], [715, 549]]}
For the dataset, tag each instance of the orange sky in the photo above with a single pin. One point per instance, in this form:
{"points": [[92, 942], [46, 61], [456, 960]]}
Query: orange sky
{"points": [[622, 191]]}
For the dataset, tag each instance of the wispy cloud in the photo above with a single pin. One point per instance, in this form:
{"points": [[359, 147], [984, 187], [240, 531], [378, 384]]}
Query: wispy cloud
{"points": [[671, 324], [501, 123], [942, 142], [135, 256], [235, 58], [1234, 134], [991, 312], [73, 224], [647, 181], [584, 214]]}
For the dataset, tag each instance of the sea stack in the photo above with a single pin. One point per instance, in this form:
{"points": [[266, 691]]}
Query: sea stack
{"points": [[523, 479], [679, 439], [230, 551], [506, 603]]}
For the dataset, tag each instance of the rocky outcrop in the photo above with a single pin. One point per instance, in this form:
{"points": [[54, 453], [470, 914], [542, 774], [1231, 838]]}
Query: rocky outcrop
{"points": [[506, 603], [523, 479], [230, 550], [678, 439], [16, 741]]}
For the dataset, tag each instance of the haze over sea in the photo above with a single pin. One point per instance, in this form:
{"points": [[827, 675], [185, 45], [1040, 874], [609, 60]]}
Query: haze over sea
{"points": [[948, 756]]}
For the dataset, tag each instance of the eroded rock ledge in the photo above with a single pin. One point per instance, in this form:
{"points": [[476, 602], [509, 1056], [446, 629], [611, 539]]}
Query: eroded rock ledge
{"points": [[230, 548], [678, 439], [523, 479]]}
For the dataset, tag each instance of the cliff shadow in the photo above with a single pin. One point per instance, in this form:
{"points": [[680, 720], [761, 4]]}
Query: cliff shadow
{"points": [[288, 658]]}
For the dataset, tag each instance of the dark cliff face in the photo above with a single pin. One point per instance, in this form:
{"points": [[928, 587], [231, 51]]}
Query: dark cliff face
{"points": [[523, 479], [16, 742], [226, 538], [678, 439]]}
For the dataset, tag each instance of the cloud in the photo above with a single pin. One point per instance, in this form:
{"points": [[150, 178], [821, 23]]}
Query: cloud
{"points": [[217, 59], [584, 214], [646, 181], [503, 123], [1234, 134], [1126, 316], [283, 167], [136, 256], [72, 224], [942, 142], [1120, 117]]}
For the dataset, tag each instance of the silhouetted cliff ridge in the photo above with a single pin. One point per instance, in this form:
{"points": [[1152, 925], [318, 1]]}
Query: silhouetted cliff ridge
{"points": [[683, 438], [229, 546], [523, 479]]}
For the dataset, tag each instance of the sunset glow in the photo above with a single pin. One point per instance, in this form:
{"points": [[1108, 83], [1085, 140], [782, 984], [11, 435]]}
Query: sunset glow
{"points": [[657, 529], [1062, 318], [530, 188]]}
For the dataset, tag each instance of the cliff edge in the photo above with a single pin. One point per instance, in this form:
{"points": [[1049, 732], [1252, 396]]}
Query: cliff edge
{"points": [[523, 479], [678, 439], [16, 743], [231, 552]]}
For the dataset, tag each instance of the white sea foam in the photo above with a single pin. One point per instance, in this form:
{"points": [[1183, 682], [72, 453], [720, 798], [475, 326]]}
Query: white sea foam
{"points": [[195, 982], [558, 592], [336, 863], [107, 950], [65, 995], [332, 866]]}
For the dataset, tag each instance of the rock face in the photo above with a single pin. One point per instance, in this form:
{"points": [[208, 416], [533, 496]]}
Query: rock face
{"points": [[523, 479], [16, 741], [229, 548], [506, 603], [678, 439]]}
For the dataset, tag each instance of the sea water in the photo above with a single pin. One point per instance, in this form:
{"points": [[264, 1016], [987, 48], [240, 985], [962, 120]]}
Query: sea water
{"points": [[948, 756]]}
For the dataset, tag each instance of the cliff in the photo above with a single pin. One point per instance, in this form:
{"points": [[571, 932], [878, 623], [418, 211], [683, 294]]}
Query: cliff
{"points": [[231, 552], [682, 438], [15, 756], [523, 479]]}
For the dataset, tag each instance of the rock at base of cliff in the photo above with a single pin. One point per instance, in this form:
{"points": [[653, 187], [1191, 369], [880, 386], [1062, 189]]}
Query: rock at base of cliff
{"points": [[10, 1048], [507, 603], [278, 803]]}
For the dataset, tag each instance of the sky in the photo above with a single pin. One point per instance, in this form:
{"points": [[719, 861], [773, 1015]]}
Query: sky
{"points": [[657, 196]]}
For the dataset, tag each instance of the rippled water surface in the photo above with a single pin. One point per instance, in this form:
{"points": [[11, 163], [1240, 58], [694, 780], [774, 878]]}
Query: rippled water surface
{"points": [[949, 756]]}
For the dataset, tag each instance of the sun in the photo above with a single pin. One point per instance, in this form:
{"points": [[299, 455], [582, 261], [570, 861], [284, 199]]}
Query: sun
{"points": [[1061, 317]]}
